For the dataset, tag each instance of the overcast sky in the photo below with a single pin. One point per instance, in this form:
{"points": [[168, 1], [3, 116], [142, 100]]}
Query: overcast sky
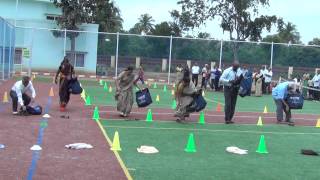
{"points": [[305, 15]]}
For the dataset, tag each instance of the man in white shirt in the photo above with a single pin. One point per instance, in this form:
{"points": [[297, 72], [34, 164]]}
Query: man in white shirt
{"points": [[316, 85], [19, 94], [268, 79], [195, 73], [231, 79]]}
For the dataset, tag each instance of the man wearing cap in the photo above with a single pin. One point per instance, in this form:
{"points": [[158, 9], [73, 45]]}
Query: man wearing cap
{"points": [[279, 94], [231, 79], [20, 93]]}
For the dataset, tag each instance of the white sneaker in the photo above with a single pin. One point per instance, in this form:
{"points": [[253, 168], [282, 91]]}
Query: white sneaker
{"points": [[15, 113]]}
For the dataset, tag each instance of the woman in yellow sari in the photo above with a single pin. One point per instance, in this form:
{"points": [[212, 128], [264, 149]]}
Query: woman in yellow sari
{"points": [[184, 96], [124, 91]]}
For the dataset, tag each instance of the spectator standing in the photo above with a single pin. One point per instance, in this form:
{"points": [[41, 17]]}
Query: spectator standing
{"points": [[205, 74], [268, 79], [195, 74]]}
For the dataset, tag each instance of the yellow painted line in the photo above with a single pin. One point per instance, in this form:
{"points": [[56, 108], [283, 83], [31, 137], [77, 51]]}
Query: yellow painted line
{"points": [[123, 166]]}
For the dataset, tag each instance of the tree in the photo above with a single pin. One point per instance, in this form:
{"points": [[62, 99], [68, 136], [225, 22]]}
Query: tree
{"points": [[74, 13], [163, 29], [181, 22], [107, 15], [238, 17], [145, 24], [315, 41], [287, 33], [204, 35]]}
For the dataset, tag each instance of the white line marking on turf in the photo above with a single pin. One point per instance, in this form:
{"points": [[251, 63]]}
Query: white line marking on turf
{"points": [[213, 130], [210, 115]]}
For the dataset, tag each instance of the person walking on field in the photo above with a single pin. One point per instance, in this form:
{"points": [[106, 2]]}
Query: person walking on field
{"points": [[195, 73], [124, 91], [179, 73], [268, 79], [205, 75], [141, 74], [65, 73], [231, 79], [19, 94], [279, 94]]}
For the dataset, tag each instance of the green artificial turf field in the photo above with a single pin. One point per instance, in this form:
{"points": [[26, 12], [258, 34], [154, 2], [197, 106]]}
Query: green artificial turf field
{"points": [[211, 161]]}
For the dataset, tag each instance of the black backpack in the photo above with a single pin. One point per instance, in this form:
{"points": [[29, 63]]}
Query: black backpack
{"points": [[198, 104], [35, 110], [74, 86], [143, 98]]}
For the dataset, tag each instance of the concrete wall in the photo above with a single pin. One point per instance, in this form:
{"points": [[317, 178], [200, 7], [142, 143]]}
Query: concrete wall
{"points": [[27, 9], [47, 51]]}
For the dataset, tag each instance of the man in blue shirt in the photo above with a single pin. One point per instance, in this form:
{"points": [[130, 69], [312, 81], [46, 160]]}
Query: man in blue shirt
{"points": [[231, 79], [279, 94]]}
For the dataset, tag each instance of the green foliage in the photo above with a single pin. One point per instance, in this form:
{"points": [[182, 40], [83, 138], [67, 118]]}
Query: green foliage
{"points": [[287, 33], [239, 18], [163, 29], [107, 15], [145, 25], [315, 41], [74, 13]]}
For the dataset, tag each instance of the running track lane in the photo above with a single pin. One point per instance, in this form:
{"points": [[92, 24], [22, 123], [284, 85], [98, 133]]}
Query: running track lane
{"points": [[36, 154]]}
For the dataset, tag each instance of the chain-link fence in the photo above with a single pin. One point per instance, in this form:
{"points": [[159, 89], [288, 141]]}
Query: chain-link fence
{"points": [[107, 54], [7, 44]]}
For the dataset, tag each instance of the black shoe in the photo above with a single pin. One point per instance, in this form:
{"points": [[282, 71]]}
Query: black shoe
{"points": [[229, 122], [182, 121], [291, 123], [281, 122]]}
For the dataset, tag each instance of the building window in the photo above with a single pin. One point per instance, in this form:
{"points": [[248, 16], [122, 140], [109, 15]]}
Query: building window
{"points": [[52, 17], [18, 56], [78, 59]]}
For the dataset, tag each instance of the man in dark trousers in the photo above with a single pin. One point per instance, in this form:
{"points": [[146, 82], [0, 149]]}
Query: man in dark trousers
{"points": [[279, 94], [19, 94], [195, 73], [231, 79]]}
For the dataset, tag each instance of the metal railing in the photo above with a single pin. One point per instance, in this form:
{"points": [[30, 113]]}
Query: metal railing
{"points": [[159, 54], [7, 44]]}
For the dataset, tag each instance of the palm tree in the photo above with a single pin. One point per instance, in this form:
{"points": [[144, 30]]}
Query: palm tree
{"points": [[289, 33], [145, 24]]}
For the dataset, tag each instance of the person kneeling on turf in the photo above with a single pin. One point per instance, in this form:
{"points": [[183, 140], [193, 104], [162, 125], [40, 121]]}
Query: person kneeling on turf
{"points": [[19, 94], [279, 94]]}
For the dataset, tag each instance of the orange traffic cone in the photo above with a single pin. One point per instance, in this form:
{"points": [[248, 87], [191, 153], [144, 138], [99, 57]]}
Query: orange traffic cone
{"points": [[5, 97], [218, 109], [51, 94]]}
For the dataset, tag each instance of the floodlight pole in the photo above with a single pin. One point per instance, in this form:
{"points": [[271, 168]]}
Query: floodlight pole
{"points": [[220, 60], [169, 71], [271, 56], [117, 54], [65, 42], [16, 14], [3, 50], [31, 53]]}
